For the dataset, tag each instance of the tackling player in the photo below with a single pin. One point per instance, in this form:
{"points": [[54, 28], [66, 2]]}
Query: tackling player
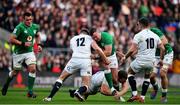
{"points": [[23, 37], [167, 61], [81, 60], [99, 84]]}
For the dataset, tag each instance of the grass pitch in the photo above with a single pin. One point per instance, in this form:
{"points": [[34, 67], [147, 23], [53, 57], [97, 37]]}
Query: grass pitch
{"points": [[18, 96]]}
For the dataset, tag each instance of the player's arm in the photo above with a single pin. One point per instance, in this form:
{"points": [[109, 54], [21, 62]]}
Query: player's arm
{"points": [[38, 41], [105, 90], [100, 52], [164, 40], [162, 50], [13, 40], [132, 50], [123, 90], [107, 50]]}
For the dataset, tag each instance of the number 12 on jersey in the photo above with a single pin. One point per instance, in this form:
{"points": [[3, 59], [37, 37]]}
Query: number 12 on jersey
{"points": [[80, 41], [150, 43]]}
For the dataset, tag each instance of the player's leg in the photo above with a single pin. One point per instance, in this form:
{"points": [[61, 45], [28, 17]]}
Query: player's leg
{"points": [[57, 85], [164, 84], [132, 83], [153, 79], [31, 79], [134, 67], [167, 62], [145, 86], [114, 70], [85, 85], [108, 76], [17, 65], [154, 85], [86, 73], [68, 70], [11, 75], [30, 61]]}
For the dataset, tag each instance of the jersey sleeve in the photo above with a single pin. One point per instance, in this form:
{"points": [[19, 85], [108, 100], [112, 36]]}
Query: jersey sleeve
{"points": [[71, 43], [157, 32], [17, 31], [90, 39], [136, 39]]}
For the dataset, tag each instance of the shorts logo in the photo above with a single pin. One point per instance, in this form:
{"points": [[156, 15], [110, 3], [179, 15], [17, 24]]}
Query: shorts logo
{"points": [[69, 68]]}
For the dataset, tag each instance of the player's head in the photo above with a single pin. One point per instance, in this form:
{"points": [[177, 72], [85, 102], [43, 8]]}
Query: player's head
{"points": [[27, 18], [122, 76], [85, 31], [143, 22], [95, 35]]}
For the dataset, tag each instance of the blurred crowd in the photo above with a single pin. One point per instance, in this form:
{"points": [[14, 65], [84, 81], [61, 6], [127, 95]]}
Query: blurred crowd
{"points": [[59, 20]]}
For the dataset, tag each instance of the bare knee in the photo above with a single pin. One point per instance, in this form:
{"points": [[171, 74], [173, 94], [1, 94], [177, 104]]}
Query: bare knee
{"points": [[32, 68], [163, 74]]}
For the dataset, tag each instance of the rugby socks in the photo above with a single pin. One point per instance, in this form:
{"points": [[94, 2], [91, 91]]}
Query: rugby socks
{"points": [[154, 84], [132, 83], [9, 79], [108, 77], [56, 87], [31, 79], [164, 92], [145, 87], [82, 89]]}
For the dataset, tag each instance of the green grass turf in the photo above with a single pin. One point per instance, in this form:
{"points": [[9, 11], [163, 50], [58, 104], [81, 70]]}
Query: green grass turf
{"points": [[18, 96]]}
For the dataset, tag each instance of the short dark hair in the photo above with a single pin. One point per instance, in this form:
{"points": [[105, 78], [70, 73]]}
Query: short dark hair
{"points": [[27, 13], [85, 30], [144, 21], [122, 74], [92, 30]]}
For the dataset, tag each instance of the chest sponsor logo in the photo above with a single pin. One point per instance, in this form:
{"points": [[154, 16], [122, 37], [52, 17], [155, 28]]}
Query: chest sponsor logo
{"points": [[29, 38]]}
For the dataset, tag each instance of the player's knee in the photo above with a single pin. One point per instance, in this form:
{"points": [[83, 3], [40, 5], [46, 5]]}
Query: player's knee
{"points": [[32, 68], [13, 73], [163, 74], [152, 76]]}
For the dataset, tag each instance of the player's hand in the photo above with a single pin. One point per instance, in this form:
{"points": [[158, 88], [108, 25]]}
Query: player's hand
{"points": [[123, 59], [160, 64], [120, 54], [116, 97], [39, 48], [27, 44], [93, 56], [107, 62]]}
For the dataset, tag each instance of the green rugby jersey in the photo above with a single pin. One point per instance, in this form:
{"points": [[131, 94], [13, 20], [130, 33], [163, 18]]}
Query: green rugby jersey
{"points": [[25, 34], [168, 47], [107, 39]]}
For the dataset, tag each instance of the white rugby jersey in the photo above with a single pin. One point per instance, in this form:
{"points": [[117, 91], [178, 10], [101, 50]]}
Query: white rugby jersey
{"points": [[81, 46], [147, 43]]}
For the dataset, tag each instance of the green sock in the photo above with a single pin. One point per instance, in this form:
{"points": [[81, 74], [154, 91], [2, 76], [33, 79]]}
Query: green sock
{"points": [[9, 79], [108, 77], [31, 79]]}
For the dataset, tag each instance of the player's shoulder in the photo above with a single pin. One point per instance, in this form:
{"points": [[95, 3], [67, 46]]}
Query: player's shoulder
{"points": [[35, 25], [157, 31], [21, 24]]}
